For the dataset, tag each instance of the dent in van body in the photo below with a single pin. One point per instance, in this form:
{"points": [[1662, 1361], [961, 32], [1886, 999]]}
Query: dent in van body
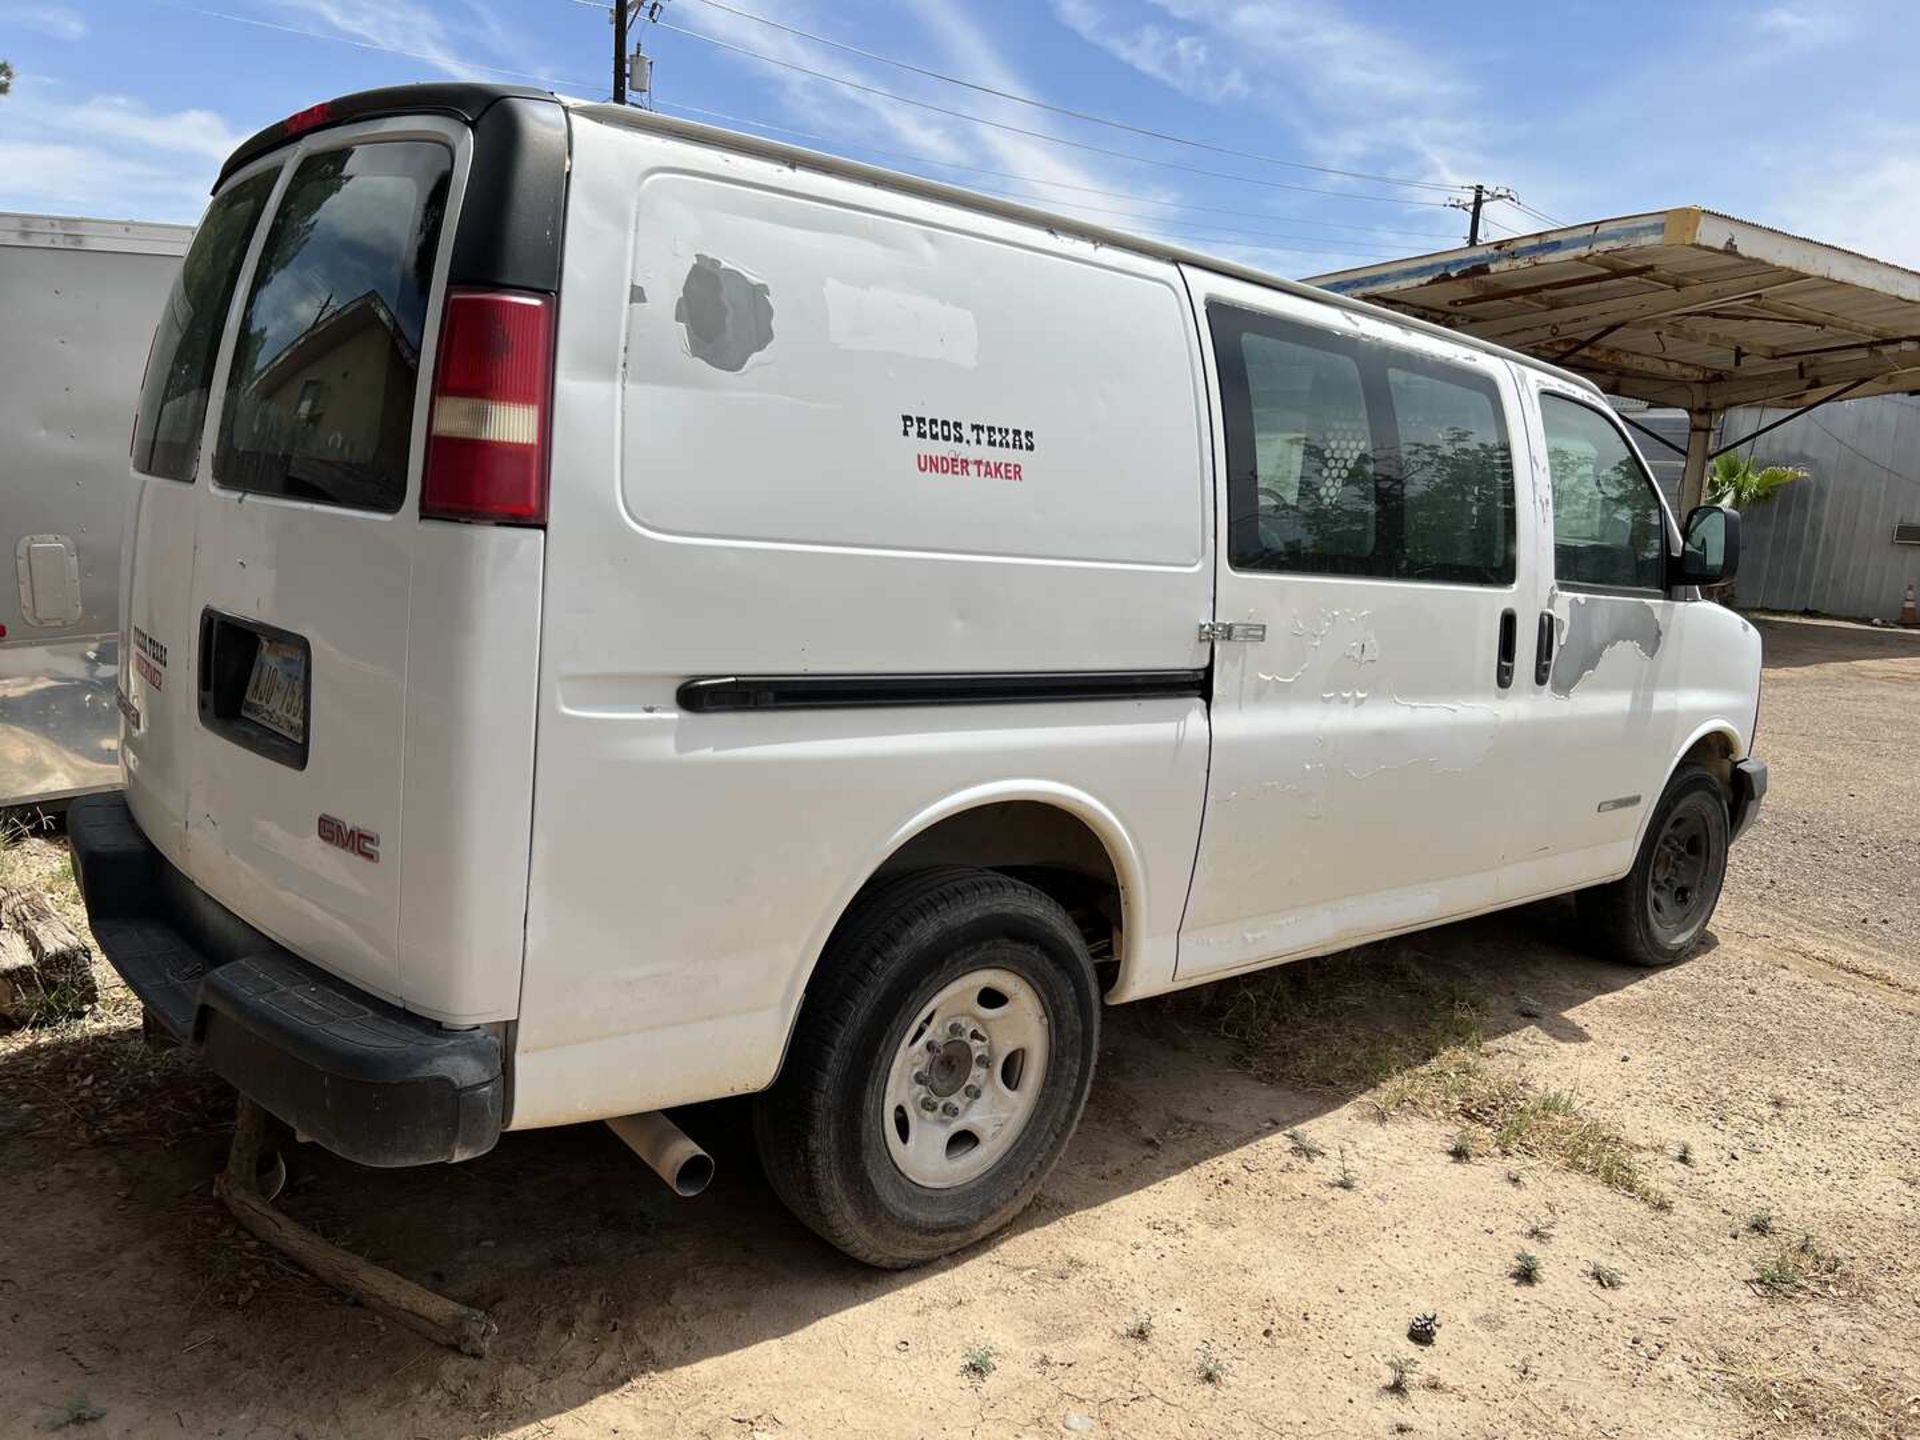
{"points": [[727, 314], [1594, 625]]}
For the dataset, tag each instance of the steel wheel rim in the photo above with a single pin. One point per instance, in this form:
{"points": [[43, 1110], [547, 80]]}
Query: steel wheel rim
{"points": [[966, 1078], [1678, 881]]}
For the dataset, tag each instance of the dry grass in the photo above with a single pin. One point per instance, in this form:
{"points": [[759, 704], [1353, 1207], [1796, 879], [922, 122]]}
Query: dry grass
{"points": [[1380, 1020], [1827, 1402], [1800, 1267], [1347, 1022]]}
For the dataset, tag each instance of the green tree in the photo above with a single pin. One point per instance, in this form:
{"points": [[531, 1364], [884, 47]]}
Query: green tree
{"points": [[6, 77], [1735, 481]]}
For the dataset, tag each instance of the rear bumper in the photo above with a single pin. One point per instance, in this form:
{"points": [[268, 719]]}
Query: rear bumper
{"points": [[1749, 789], [364, 1078]]}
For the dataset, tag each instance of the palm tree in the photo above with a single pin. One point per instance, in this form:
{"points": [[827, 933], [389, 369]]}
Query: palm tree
{"points": [[6, 77], [1735, 481]]}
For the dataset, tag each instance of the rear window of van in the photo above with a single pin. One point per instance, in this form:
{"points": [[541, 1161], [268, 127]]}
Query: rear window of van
{"points": [[173, 398], [320, 397]]}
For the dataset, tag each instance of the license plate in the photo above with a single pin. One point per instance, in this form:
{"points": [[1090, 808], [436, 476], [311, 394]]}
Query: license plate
{"points": [[277, 690]]}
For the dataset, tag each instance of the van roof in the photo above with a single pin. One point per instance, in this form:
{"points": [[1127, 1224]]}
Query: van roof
{"points": [[469, 101]]}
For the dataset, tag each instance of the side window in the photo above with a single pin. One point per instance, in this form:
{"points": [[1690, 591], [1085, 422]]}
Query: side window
{"points": [[320, 398], [1608, 527], [173, 399], [1354, 457]]}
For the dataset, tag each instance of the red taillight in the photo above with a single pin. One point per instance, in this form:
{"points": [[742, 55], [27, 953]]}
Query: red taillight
{"points": [[492, 390], [302, 121]]}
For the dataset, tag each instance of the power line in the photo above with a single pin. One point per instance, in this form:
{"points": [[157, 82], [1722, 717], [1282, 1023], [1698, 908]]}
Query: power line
{"points": [[921, 157], [1040, 135], [1067, 111]]}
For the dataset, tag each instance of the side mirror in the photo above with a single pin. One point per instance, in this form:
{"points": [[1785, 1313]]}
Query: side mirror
{"points": [[1709, 547]]}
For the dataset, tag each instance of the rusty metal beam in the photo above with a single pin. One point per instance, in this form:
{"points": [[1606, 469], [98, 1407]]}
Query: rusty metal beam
{"points": [[1557, 323]]}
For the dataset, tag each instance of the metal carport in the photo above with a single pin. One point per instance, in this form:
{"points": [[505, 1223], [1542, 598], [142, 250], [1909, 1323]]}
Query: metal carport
{"points": [[1686, 307]]}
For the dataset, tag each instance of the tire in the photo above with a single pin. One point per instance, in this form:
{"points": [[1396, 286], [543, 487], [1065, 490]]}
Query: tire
{"points": [[1645, 919], [823, 1129]]}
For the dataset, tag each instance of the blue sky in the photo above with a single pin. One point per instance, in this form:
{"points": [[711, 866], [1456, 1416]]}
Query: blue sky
{"points": [[1797, 114]]}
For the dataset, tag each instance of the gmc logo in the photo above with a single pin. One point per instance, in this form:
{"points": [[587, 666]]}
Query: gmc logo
{"points": [[350, 838]]}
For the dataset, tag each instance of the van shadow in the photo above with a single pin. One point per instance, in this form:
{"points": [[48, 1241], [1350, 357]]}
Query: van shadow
{"points": [[141, 1287]]}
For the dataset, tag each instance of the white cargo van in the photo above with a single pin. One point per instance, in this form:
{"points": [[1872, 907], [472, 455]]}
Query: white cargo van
{"points": [[622, 613]]}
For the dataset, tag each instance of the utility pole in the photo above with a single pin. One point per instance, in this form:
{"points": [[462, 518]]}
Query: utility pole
{"points": [[620, 52], [632, 71], [1482, 195]]}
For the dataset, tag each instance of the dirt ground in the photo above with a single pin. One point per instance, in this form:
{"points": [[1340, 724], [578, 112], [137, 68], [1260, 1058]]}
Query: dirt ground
{"points": [[1716, 1168]]}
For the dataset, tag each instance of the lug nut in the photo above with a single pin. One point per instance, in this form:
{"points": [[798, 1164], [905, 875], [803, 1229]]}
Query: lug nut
{"points": [[973, 1092], [933, 1047], [927, 1103], [919, 1077], [949, 1109], [980, 1062], [956, 1029]]}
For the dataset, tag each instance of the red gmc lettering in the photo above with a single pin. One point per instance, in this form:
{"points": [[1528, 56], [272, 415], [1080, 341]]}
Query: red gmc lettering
{"points": [[350, 838]]}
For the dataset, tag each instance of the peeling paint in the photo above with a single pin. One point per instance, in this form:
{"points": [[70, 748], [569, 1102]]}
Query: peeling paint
{"points": [[727, 314], [1594, 625]]}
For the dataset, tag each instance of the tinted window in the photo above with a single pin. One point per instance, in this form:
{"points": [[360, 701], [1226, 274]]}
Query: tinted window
{"points": [[1353, 457], [319, 402], [1608, 527], [173, 402]]}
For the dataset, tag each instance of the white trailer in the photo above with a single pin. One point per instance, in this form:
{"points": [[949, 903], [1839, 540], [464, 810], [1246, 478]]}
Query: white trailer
{"points": [[78, 302]]}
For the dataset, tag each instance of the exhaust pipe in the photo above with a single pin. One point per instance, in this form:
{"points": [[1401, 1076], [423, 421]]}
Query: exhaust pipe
{"points": [[668, 1152]]}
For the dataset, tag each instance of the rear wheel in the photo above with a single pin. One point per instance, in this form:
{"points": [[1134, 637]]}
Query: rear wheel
{"points": [[1658, 913], [940, 1064]]}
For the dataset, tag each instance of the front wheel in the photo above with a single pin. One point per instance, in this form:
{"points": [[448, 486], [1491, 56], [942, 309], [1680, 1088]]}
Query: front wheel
{"points": [[940, 1064], [1657, 914]]}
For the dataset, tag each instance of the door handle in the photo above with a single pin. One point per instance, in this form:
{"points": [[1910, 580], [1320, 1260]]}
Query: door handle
{"points": [[1543, 648], [1509, 638]]}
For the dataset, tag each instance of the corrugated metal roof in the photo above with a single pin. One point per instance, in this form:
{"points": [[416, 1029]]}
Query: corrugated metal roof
{"points": [[1683, 307]]}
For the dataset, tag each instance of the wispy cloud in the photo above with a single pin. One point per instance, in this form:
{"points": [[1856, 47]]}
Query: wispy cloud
{"points": [[62, 22], [1804, 24], [1186, 61], [109, 155], [1348, 92], [467, 44]]}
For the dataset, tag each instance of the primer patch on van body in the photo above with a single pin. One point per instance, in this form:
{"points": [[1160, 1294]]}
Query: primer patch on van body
{"points": [[887, 321], [1594, 626], [728, 315]]}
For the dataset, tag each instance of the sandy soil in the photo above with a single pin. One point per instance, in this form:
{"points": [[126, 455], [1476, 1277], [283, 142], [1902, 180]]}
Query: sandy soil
{"points": [[1192, 1268]]}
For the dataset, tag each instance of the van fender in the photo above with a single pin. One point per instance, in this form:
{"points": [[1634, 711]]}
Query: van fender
{"points": [[1736, 748], [1098, 817]]}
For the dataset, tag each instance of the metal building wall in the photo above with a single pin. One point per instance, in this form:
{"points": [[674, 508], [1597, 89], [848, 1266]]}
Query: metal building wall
{"points": [[1826, 543]]}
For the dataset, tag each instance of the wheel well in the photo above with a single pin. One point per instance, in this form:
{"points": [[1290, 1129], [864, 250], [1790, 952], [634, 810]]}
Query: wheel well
{"points": [[1051, 849], [1714, 751]]}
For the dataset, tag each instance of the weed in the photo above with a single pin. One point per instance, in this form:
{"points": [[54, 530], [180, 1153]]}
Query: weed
{"points": [[76, 1411], [1525, 1268], [1792, 1268], [1301, 1145], [1605, 1276], [1400, 1371], [979, 1362], [1461, 1147], [1541, 1228], [1210, 1365], [1683, 1152], [1346, 1179], [1141, 1328], [1760, 1222]]}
